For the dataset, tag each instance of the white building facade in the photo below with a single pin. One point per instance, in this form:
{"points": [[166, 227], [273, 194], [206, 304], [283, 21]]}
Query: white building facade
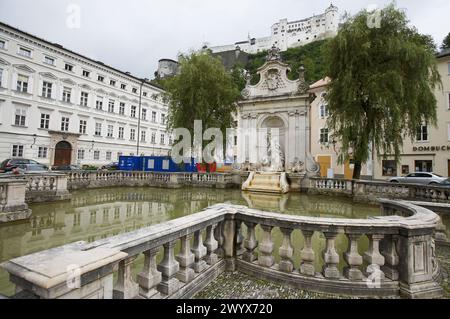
{"points": [[59, 107], [285, 34]]}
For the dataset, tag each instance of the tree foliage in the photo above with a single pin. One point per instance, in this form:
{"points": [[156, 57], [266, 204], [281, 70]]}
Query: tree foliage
{"points": [[446, 43], [382, 86], [203, 90]]}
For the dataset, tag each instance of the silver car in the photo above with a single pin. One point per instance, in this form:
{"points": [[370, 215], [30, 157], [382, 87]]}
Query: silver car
{"points": [[419, 178]]}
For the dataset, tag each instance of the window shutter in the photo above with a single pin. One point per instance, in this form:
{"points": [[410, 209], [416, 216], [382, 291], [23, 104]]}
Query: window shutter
{"points": [[30, 85], [4, 78], [54, 89]]}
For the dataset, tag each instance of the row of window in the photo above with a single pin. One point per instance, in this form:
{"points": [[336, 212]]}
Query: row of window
{"points": [[48, 60], [47, 87]]}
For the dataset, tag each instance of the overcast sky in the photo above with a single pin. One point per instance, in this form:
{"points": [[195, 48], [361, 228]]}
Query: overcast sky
{"points": [[132, 35]]}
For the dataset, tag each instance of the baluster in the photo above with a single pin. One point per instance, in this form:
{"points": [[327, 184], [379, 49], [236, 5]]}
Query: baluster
{"points": [[150, 277], [286, 251], [374, 258], [199, 251], [186, 260], [239, 239], [250, 243], [125, 287], [330, 256], [307, 254], [211, 245], [389, 251], [353, 258], [219, 237], [265, 258], [168, 268]]}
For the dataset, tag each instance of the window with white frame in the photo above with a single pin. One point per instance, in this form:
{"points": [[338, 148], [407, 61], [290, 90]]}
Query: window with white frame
{"points": [[101, 78], [81, 154], [96, 155], [134, 90], [122, 108], [25, 52], [22, 83], [323, 110], [47, 89], [112, 82], [154, 117], [123, 86], [133, 111], [17, 151], [121, 131], [99, 103], [163, 118], [144, 93], [143, 136], [144, 114], [108, 155], [67, 94], [98, 129], [86, 73], [84, 99], [42, 152], [20, 116], [68, 67], [162, 139], [48, 60], [65, 124], [83, 126], [153, 140], [111, 105], [45, 121], [2, 44], [132, 134], [110, 132], [324, 136], [422, 133]]}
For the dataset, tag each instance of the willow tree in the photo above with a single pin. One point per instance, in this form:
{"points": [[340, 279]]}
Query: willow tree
{"points": [[203, 90], [382, 88]]}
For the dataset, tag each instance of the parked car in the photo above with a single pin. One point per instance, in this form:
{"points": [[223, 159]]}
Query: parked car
{"points": [[419, 178], [23, 164], [66, 168], [445, 183], [110, 167]]}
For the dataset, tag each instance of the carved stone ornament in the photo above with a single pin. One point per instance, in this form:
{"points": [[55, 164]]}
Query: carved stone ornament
{"points": [[273, 79], [245, 93], [303, 87]]}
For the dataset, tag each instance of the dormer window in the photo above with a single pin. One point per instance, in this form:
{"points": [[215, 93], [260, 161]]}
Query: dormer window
{"points": [[123, 86], [112, 82], [86, 73], [68, 67], [101, 78]]}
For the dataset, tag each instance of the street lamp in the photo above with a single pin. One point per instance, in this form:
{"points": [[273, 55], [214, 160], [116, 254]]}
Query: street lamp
{"points": [[139, 116]]}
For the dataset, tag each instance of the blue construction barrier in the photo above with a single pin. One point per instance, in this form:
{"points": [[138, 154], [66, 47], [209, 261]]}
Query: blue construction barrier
{"points": [[154, 164], [131, 163]]}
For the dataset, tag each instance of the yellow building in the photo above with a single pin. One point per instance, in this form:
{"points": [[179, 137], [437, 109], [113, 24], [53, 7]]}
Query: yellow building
{"points": [[429, 151]]}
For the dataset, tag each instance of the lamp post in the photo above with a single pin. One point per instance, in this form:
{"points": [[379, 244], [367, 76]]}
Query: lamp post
{"points": [[139, 116]]}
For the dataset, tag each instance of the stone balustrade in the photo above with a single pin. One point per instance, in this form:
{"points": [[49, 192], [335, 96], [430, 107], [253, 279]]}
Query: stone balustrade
{"points": [[369, 191], [12, 200], [98, 179], [398, 260]]}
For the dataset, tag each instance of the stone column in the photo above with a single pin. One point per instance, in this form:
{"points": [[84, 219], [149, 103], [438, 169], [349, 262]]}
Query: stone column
{"points": [[286, 251], [307, 254], [265, 258], [291, 146], [126, 287], [219, 237], [150, 277], [169, 267], [186, 260], [389, 251], [239, 239], [199, 251], [211, 245], [353, 259], [250, 243], [330, 257]]}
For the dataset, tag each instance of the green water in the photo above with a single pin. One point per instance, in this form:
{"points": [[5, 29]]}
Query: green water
{"points": [[95, 214]]}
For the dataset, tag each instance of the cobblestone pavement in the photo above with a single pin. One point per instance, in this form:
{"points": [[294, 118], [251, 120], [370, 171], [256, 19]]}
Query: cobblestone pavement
{"points": [[237, 285]]}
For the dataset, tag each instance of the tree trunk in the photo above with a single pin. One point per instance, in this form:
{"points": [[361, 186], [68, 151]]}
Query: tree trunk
{"points": [[357, 170]]}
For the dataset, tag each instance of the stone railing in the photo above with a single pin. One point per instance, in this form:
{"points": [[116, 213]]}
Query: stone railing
{"points": [[98, 179], [12, 200], [43, 187], [369, 191], [399, 259]]}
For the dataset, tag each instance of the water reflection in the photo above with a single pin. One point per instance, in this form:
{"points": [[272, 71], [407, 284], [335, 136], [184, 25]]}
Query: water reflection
{"points": [[98, 214]]}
